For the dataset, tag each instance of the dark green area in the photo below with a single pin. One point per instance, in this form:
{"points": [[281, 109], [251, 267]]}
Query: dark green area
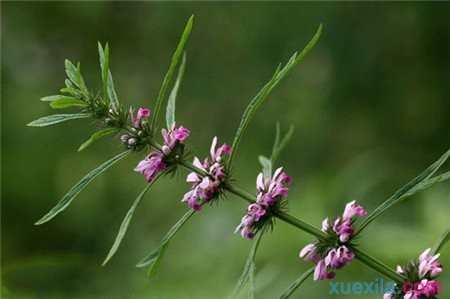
{"points": [[371, 107]]}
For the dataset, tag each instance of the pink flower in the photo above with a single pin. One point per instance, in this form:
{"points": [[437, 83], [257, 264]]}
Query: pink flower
{"points": [[205, 188], [322, 272], [429, 264], [151, 165], [428, 288], [156, 161], [353, 210], [271, 190], [342, 227], [174, 135], [333, 258], [309, 253], [338, 258], [142, 114]]}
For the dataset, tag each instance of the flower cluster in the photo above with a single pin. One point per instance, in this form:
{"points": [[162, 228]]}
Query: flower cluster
{"points": [[333, 252], [271, 190], [137, 132], [159, 160], [205, 188], [421, 276]]}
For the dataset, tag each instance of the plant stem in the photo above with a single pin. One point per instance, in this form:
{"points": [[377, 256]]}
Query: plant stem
{"points": [[377, 265], [306, 227]]}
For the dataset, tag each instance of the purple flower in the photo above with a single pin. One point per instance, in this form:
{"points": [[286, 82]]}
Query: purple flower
{"points": [[156, 161], [151, 165], [353, 210], [429, 264], [309, 253], [339, 233], [271, 191], [425, 268], [322, 272], [141, 115], [342, 226], [205, 188]]}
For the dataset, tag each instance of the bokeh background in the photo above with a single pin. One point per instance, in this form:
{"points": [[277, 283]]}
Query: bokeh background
{"points": [[370, 105]]}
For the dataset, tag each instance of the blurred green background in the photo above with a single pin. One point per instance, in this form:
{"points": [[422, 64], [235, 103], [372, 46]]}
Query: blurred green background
{"points": [[370, 104]]}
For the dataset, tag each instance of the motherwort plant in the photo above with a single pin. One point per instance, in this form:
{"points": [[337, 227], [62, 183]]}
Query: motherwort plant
{"points": [[210, 178]]}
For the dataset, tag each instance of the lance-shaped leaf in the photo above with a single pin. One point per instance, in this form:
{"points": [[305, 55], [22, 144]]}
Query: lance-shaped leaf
{"points": [[296, 284], [75, 190], [171, 103], [442, 241], [75, 77], [280, 143], [263, 94], [126, 222], [67, 102], [429, 183], [109, 92], [249, 269], [407, 190], [153, 259], [56, 119], [55, 98], [96, 136], [170, 73]]}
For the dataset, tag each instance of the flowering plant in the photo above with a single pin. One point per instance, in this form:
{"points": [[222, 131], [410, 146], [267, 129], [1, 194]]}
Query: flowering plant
{"points": [[335, 246]]}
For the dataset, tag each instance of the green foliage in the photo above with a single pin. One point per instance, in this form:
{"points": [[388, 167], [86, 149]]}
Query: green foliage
{"points": [[56, 119], [74, 75], [96, 136], [421, 182], [75, 190], [266, 164], [152, 260], [125, 223], [441, 243], [109, 92], [171, 103], [249, 269], [263, 94], [170, 73], [296, 284], [279, 145], [67, 102]]}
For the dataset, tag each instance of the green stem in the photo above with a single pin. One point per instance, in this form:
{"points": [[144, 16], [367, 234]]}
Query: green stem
{"points": [[306, 227], [378, 265]]}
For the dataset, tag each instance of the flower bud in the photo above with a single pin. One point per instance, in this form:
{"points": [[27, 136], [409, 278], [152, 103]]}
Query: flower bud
{"points": [[132, 141], [124, 138]]}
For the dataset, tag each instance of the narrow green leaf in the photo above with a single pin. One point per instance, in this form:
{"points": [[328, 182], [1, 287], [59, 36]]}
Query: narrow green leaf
{"points": [[171, 103], [104, 66], [249, 268], [263, 94], [125, 223], [440, 244], [114, 100], [55, 98], [154, 257], [67, 102], [407, 190], [75, 190], [296, 284], [96, 136], [109, 92], [170, 73], [279, 145], [266, 164], [81, 82], [56, 119], [71, 91], [428, 183], [72, 72]]}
